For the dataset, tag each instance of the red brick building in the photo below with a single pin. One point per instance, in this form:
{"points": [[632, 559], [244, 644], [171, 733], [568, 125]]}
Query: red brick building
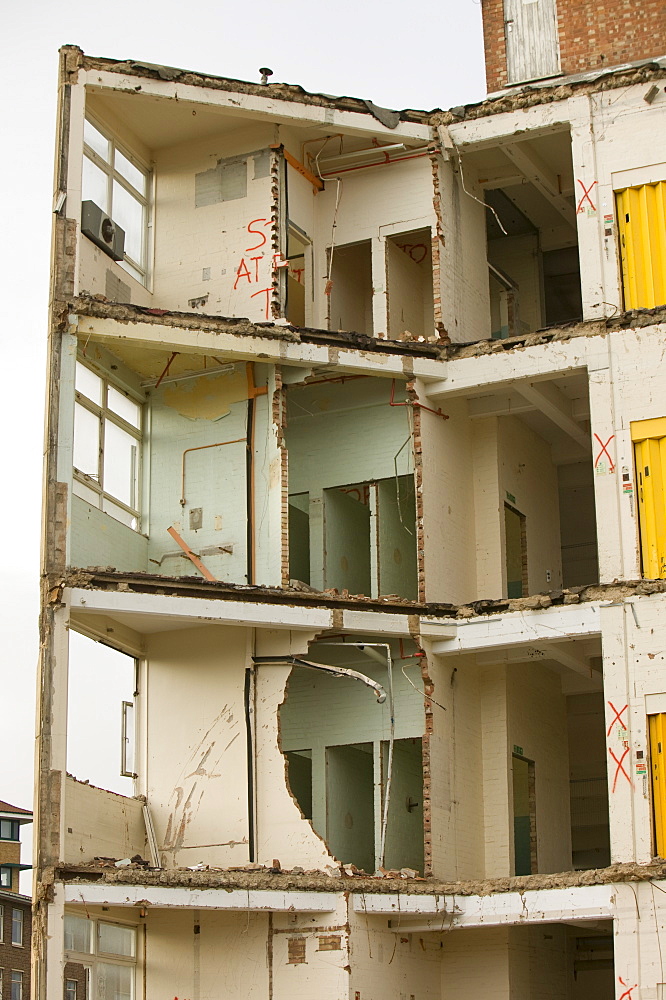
{"points": [[15, 908], [538, 39]]}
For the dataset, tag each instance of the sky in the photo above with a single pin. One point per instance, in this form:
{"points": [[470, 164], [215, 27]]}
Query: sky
{"points": [[397, 55]]}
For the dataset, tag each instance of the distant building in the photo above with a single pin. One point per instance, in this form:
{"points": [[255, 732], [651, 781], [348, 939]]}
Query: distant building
{"points": [[15, 908]]}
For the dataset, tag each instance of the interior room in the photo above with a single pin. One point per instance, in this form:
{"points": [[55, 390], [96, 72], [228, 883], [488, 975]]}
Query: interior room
{"points": [[159, 437], [354, 776], [528, 720], [352, 506], [534, 272]]}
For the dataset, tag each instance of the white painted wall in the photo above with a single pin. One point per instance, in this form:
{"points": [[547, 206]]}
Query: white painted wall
{"points": [[101, 824]]}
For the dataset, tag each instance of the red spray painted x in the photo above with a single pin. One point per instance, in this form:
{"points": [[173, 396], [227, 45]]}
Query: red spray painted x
{"points": [[604, 450], [620, 768], [585, 196], [617, 718], [627, 993]]}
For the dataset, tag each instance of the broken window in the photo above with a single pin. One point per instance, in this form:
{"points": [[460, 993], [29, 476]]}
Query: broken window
{"points": [[107, 953], [410, 289], [107, 446], [350, 298], [115, 181]]}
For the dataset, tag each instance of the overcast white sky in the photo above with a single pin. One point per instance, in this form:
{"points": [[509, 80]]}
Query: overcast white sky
{"points": [[399, 55]]}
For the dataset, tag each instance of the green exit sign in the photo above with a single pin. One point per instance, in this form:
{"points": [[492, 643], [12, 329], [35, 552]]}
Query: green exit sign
{"points": [[518, 750]]}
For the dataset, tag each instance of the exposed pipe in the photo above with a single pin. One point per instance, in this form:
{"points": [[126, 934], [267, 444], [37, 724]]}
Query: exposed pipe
{"points": [[367, 166], [249, 745], [298, 661], [415, 402], [201, 447]]}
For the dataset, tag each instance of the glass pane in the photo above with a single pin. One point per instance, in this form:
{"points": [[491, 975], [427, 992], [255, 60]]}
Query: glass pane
{"points": [[94, 138], [136, 177], [85, 493], [133, 271], [6, 878], [120, 514], [128, 213], [124, 407], [115, 940], [17, 926], [95, 185], [121, 460], [77, 934], [114, 982], [86, 441], [88, 384]]}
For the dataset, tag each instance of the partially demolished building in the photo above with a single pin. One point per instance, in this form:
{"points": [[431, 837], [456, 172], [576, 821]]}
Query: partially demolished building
{"points": [[355, 452]]}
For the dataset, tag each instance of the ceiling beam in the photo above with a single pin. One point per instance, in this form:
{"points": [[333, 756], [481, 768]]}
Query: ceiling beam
{"points": [[565, 654], [498, 406], [557, 407], [542, 177]]}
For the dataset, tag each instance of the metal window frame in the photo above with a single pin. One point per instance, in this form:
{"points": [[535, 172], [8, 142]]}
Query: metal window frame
{"points": [[89, 960], [16, 827], [106, 415], [113, 174], [15, 982], [3, 870]]}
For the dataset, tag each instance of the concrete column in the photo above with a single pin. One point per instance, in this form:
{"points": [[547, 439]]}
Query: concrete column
{"points": [[379, 289]]}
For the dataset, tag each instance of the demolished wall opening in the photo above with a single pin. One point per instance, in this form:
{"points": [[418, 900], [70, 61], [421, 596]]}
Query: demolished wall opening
{"points": [[410, 285], [532, 242], [350, 293], [102, 685], [352, 499], [299, 277], [340, 764], [590, 834]]}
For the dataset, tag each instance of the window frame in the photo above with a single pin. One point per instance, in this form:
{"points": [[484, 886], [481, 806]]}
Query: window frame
{"points": [[139, 270], [18, 981], [89, 960], [105, 414], [2, 935], [3, 871], [15, 828], [17, 911]]}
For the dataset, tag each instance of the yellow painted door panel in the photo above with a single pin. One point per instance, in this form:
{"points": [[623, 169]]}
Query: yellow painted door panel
{"points": [[649, 437], [657, 746], [641, 214]]}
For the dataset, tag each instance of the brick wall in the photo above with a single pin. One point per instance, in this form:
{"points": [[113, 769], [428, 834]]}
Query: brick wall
{"points": [[15, 957], [592, 35]]}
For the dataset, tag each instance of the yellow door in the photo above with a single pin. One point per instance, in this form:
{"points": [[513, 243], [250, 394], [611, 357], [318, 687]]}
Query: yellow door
{"points": [[649, 437], [641, 214], [657, 741]]}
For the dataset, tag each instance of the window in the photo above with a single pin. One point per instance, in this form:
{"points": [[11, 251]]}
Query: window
{"points": [[17, 985], [70, 989], [115, 181], [2, 931], [17, 927], [107, 951], [107, 446], [9, 829], [5, 877]]}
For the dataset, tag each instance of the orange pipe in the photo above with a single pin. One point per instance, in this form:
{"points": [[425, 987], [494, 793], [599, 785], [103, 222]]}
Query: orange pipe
{"points": [[218, 444]]}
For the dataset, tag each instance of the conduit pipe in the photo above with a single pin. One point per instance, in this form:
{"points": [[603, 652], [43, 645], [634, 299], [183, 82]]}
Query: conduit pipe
{"points": [[298, 661]]}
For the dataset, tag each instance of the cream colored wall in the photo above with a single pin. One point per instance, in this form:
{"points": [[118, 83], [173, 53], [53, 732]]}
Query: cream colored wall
{"points": [[391, 966], [449, 542], [489, 522], [101, 824], [526, 471], [196, 764], [225, 958], [456, 769], [94, 267], [476, 964], [189, 239]]}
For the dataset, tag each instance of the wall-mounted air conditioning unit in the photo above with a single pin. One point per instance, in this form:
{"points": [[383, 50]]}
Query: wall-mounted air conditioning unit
{"points": [[102, 230]]}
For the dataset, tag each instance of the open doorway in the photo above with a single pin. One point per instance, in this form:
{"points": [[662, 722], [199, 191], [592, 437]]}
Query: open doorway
{"points": [[299, 276], [515, 536], [524, 816], [350, 299]]}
